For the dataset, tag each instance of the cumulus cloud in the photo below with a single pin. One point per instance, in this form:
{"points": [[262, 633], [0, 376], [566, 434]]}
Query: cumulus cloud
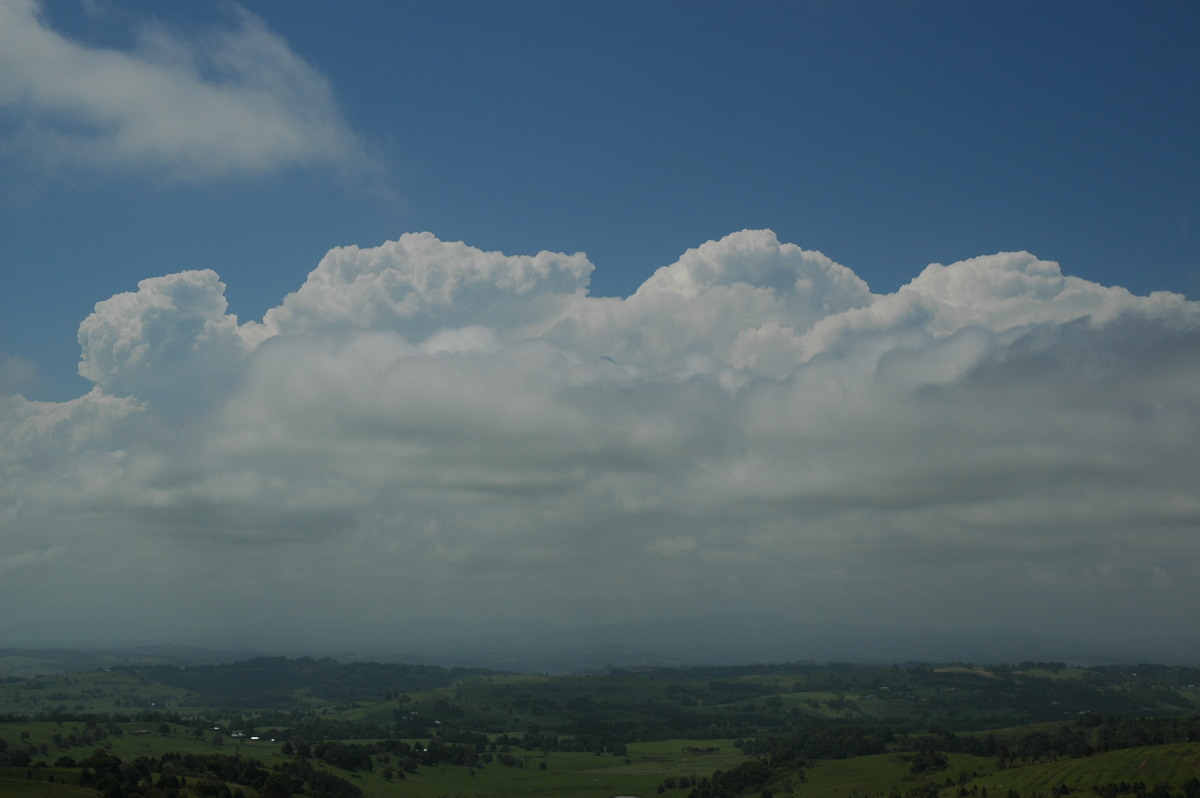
{"points": [[172, 337], [232, 102], [426, 424], [741, 300], [418, 285]]}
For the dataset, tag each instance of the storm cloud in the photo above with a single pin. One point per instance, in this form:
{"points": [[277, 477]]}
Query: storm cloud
{"points": [[426, 432]]}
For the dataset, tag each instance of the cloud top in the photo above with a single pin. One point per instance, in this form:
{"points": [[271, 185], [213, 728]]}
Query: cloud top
{"points": [[418, 284], [236, 101], [427, 424], [172, 331]]}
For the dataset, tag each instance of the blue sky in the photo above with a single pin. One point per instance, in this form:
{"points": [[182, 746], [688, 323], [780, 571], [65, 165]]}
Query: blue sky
{"points": [[880, 304]]}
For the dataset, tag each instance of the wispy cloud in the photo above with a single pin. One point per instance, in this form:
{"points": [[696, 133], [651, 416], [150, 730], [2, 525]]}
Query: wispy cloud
{"points": [[16, 374], [230, 102], [423, 423]]}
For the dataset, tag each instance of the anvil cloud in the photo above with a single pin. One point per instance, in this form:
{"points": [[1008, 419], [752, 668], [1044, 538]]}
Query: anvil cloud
{"points": [[428, 434]]}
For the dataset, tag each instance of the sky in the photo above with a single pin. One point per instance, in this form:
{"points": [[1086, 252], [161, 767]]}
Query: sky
{"points": [[427, 319]]}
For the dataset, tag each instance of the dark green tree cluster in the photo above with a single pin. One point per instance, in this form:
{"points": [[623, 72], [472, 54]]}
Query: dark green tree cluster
{"points": [[175, 774], [836, 742], [927, 761], [1138, 789], [746, 778]]}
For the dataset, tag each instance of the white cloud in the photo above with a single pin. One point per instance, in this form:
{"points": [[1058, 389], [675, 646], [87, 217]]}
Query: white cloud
{"points": [[423, 423], [172, 338], [233, 102], [418, 285], [1015, 288], [727, 299]]}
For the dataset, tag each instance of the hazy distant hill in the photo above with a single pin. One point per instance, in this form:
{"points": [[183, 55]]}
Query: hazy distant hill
{"points": [[74, 658], [721, 639], [737, 639]]}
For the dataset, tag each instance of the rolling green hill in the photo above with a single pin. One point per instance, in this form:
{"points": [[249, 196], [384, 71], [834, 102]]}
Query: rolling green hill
{"points": [[274, 726]]}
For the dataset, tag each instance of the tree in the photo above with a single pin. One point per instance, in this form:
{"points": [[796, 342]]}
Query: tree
{"points": [[277, 785]]}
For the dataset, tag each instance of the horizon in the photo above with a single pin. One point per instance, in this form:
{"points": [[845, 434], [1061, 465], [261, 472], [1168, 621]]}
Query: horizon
{"points": [[680, 642]]}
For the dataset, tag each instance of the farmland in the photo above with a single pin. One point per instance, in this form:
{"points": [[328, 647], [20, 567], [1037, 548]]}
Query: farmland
{"points": [[274, 726]]}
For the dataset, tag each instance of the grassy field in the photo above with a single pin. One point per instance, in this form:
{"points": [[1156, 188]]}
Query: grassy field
{"points": [[887, 774], [566, 774], [97, 692], [585, 775], [17, 783], [639, 773], [880, 775], [1173, 764]]}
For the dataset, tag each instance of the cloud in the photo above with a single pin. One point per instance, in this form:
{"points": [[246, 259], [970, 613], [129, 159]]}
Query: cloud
{"points": [[233, 102], [418, 285], [424, 424], [742, 300], [172, 338]]}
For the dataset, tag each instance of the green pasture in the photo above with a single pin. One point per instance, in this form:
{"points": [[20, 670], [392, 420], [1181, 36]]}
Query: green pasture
{"points": [[101, 691], [1174, 764], [639, 773], [128, 745], [31, 783], [566, 773], [672, 758], [583, 775], [586, 775], [881, 774], [23, 665], [1063, 673]]}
